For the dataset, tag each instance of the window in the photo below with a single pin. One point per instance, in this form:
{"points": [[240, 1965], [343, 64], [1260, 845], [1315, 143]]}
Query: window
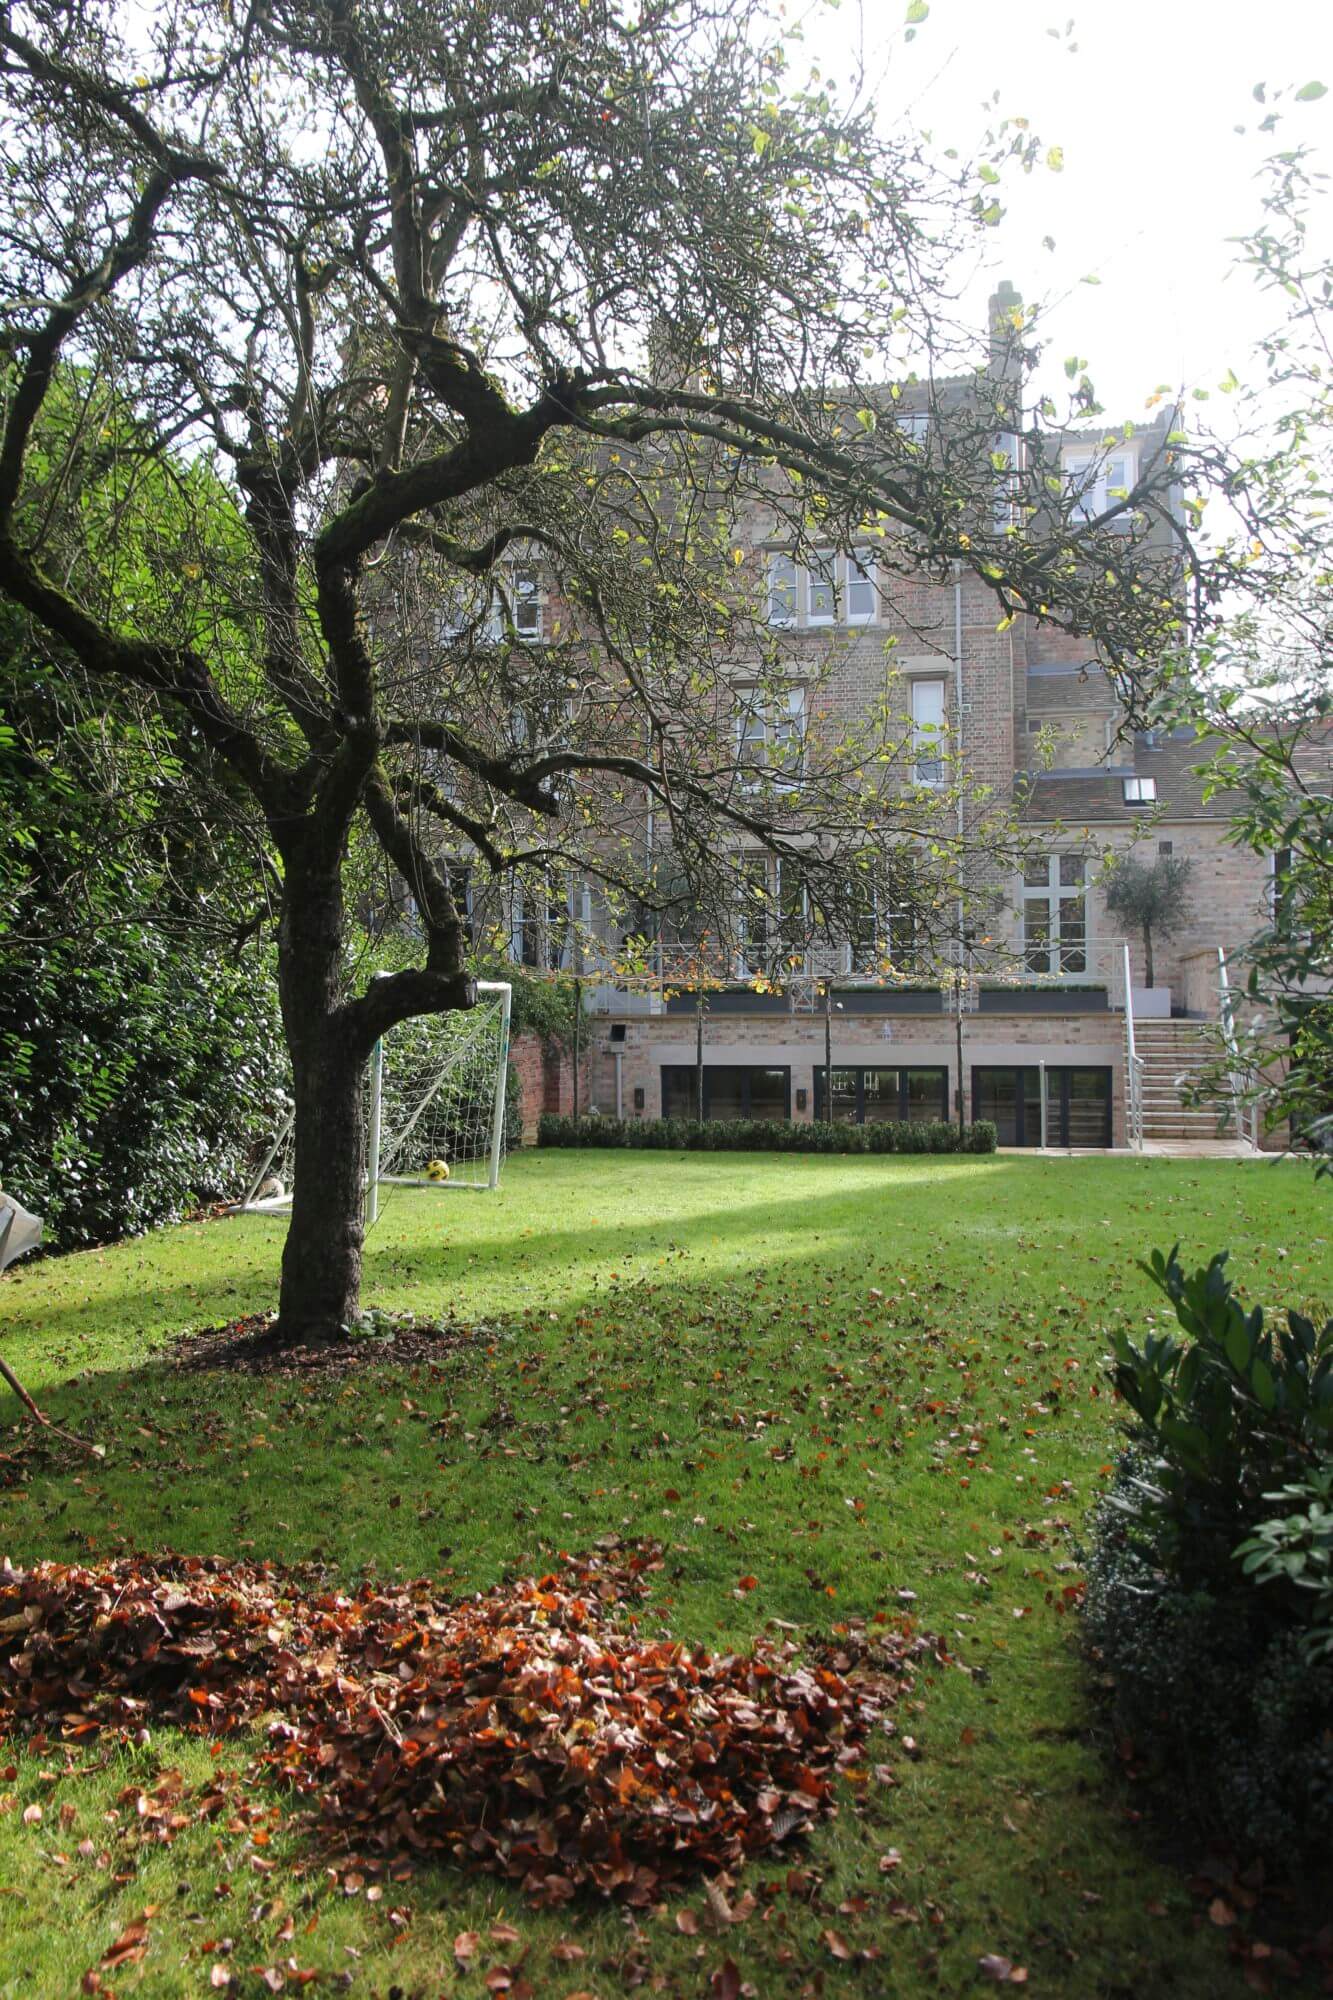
{"points": [[821, 603], [1096, 480], [1007, 462], [914, 425], [515, 608], [1284, 896], [884, 1096], [1055, 916], [879, 931], [927, 731], [730, 1091], [1078, 1104], [772, 915], [1140, 791], [781, 590], [770, 731], [833, 589], [861, 592], [527, 604]]}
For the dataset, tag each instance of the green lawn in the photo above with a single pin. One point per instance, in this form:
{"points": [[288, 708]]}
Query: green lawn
{"points": [[847, 1378]]}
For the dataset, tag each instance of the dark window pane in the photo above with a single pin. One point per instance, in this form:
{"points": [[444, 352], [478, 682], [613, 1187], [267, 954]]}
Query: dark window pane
{"points": [[723, 1092], [768, 1094], [1037, 871], [1071, 871], [1089, 1108], [995, 1096], [926, 1090], [880, 1093], [680, 1097], [844, 1097], [1031, 1135]]}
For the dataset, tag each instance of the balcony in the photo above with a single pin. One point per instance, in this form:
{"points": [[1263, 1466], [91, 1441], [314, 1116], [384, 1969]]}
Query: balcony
{"points": [[1087, 979]]}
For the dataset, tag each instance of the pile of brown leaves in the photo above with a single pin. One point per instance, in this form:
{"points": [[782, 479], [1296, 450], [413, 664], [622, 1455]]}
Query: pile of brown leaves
{"points": [[532, 1731]]}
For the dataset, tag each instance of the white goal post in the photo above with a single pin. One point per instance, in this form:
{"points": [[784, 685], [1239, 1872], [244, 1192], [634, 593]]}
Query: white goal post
{"points": [[426, 1120], [435, 1108]]}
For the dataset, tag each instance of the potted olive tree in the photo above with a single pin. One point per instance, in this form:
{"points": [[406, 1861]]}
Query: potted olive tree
{"points": [[1153, 899]]}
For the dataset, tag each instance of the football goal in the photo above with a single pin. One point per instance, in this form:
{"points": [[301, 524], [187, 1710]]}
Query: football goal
{"points": [[435, 1108]]}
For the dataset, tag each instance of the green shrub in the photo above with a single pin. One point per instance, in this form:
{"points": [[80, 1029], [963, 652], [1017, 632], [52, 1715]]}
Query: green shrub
{"points": [[1223, 1709], [141, 1073], [1294, 1553], [763, 1135], [1210, 1575], [1225, 1415]]}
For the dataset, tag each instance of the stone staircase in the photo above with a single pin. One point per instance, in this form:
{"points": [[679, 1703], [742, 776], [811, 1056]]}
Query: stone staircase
{"points": [[1173, 1055]]}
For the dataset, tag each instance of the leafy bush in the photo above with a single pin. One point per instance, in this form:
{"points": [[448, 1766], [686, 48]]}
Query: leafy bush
{"points": [[1226, 1415], [1223, 1708], [766, 1135], [1295, 1552], [138, 1079], [1210, 1595]]}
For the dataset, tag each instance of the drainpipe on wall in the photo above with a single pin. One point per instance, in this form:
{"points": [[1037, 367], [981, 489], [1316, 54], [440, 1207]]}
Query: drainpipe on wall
{"points": [[620, 1082]]}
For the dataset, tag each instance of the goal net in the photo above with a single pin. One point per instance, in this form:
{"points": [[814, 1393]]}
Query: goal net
{"points": [[435, 1107]]}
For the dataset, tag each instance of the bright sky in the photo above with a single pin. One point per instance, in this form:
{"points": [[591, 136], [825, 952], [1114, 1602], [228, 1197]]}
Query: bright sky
{"points": [[1155, 177]]}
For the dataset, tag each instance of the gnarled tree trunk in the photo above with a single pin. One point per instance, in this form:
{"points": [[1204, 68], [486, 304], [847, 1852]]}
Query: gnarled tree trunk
{"points": [[321, 1260]]}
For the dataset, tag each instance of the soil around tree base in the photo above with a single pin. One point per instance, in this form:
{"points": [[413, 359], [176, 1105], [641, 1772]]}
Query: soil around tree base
{"points": [[255, 1346]]}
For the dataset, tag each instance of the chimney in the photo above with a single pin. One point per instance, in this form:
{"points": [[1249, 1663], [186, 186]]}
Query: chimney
{"points": [[1006, 353]]}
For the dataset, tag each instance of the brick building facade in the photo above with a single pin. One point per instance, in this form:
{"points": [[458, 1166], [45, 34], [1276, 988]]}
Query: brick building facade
{"points": [[1054, 1019]]}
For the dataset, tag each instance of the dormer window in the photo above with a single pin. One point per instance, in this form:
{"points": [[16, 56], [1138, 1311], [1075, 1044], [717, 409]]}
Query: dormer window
{"points": [[1139, 791]]}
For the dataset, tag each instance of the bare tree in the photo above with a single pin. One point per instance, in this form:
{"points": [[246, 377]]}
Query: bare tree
{"points": [[449, 294]]}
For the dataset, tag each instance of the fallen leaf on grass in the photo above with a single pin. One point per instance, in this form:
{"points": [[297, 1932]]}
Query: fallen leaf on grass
{"points": [[548, 1710]]}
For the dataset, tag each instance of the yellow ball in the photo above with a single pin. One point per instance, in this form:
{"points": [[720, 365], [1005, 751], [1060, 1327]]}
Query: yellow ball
{"points": [[437, 1170]]}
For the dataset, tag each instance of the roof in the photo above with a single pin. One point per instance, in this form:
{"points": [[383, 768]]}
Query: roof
{"points": [[1084, 797]]}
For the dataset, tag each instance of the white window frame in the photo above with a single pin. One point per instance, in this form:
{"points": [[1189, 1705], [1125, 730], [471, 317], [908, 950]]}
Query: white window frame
{"points": [[783, 587], [515, 592], [914, 424], [929, 732], [1053, 894], [824, 579], [1116, 471], [766, 723], [861, 574], [529, 604], [1139, 791], [767, 870]]}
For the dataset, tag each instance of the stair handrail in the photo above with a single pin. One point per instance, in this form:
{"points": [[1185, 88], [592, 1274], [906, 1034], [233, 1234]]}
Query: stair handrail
{"points": [[1246, 1114], [1134, 1067]]}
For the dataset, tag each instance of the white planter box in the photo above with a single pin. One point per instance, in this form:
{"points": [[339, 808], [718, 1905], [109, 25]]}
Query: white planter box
{"points": [[1152, 1003]]}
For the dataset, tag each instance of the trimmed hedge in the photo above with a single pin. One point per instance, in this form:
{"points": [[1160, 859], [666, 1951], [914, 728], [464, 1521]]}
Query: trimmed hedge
{"points": [[764, 1135]]}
